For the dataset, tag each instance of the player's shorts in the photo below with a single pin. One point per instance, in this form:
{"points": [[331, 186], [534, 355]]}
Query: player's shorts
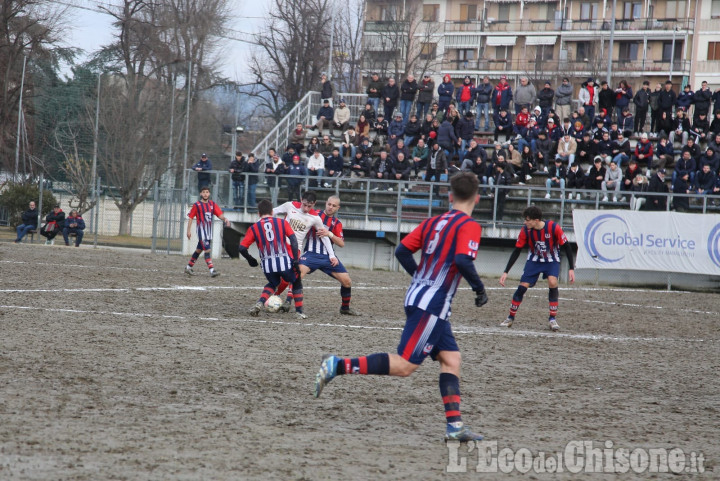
{"points": [[315, 261], [534, 269], [203, 245], [274, 278], [424, 334]]}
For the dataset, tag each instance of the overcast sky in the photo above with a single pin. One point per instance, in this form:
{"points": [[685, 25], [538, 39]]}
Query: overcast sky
{"points": [[90, 30]]}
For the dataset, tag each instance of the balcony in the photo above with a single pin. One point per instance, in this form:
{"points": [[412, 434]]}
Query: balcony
{"points": [[638, 24], [708, 66], [384, 25], [597, 25], [638, 67]]}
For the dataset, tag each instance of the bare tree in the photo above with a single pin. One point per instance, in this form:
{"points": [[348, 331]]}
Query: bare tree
{"points": [[347, 46], [290, 56]]}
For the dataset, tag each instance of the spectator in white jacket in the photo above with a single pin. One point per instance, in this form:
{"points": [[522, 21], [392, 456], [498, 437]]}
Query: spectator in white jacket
{"points": [[613, 180], [316, 166], [341, 119]]}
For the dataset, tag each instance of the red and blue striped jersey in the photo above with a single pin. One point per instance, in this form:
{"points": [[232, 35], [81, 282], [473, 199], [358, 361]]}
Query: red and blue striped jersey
{"points": [[437, 277], [203, 212], [544, 244], [270, 234], [314, 244]]}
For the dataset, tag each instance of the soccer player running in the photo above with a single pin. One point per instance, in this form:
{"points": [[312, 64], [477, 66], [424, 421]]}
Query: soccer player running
{"points": [[302, 218], [449, 244], [316, 256], [544, 239], [272, 236], [202, 211]]}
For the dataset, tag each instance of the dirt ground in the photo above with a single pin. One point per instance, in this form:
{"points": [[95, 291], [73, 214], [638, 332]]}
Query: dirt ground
{"points": [[115, 365]]}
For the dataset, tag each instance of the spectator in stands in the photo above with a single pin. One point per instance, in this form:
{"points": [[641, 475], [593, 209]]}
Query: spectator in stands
{"points": [[366, 147], [452, 115], [294, 183], [54, 223], [477, 166], [347, 146], [709, 157], [664, 154], [381, 127], [237, 174], [327, 89], [566, 149], [501, 97], [606, 98], [426, 90], [360, 167], [397, 148], [296, 139], [288, 156], [464, 130], [273, 170], [664, 125], [502, 177], [681, 185], [436, 166], [436, 112], [692, 147], [445, 93], [613, 180], [420, 156], [341, 118], [644, 151], [381, 170], [686, 164], [527, 160], [362, 129], [642, 103], [251, 168], [503, 125], [657, 184], [74, 224], [412, 131], [545, 98], [446, 137], [374, 91], [334, 165], [623, 96], [716, 190], [483, 93], [700, 128], [567, 127], [578, 128], [525, 95], [369, 113], [614, 130], [390, 95], [408, 91], [596, 175], [715, 125], [714, 142], [556, 178], [632, 171], [604, 148], [575, 180], [563, 98], [588, 98], [396, 129], [685, 99], [203, 168], [521, 122], [599, 129], [704, 180], [543, 150], [401, 168], [626, 122], [586, 150], [316, 167], [584, 117], [513, 157], [498, 149], [427, 127], [312, 146], [324, 117], [325, 147], [464, 95], [667, 98], [474, 150], [654, 101], [621, 149]]}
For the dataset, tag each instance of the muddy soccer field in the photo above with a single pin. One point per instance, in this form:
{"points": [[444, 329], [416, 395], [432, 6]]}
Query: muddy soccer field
{"points": [[115, 365]]}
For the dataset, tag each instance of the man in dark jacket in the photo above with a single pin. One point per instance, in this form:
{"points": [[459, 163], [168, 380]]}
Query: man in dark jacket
{"points": [[445, 93], [237, 167], [29, 222], [563, 98], [642, 103], [327, 89], [74, 224], [251, 167], [464, 130], [702, 100], [681, 185], [202, 167], [426, 90], [483, 92], [294, 183], [503, 125], [667, 98], [390, 95], [436, 166], [545, 98], [374, 91], [381, 169], [324, 117], [446, 136], [54, 223], [334, 164], [685, 164], [408, 90], [464, 95], [401, 168], [657, 184]]}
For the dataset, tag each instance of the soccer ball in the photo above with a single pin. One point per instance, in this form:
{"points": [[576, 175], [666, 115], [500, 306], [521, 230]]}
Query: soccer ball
{"points": [[273, 304]]}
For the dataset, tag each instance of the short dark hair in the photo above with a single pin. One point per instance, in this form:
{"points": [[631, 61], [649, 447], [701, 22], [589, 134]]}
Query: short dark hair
{"points": [[533, 213], [309, 196], [464, 185], [204, 187], [265, 207]]}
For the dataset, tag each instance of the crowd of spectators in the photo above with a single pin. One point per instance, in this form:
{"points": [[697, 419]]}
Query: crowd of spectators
{"points": [[55, 223]]}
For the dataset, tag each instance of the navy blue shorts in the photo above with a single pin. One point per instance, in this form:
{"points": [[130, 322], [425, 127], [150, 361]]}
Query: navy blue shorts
{"points": [[274, 277], [424, 334], [315, 261], [203, 245], [534, 269]]}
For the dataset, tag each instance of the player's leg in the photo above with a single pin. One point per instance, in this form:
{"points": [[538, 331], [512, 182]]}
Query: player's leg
{"points": [[193, 259], [553, 296], [273, 281], [297, 291], [449, 383], [517, 299], [345, 291]]}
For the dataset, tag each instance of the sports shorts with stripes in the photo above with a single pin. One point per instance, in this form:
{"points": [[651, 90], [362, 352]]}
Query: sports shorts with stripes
{"points": [[424, 334], [534, 269], [315, 261], [274, 277], [203, 245]]}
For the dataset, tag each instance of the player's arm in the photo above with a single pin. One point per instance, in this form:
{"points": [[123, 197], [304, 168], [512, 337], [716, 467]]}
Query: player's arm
{"points": [[571, 261], [219, 214], [335, 237], [192, 214], [294, 248], [326, 241], [513, 257], [468, 242], [404, 252], [282, 209], [243, 248]]}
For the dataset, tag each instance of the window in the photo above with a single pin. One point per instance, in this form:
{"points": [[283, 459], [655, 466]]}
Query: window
{"points": [[503, 12], [632, 10], [588, 11], [582, 51], [545, 12], [468, 12], [675, 9], [667, 51], [503, 52], [715, 9], [713, 51], [544, 52], [388, 13], [628, 51], [429, 51], [430, 12]]}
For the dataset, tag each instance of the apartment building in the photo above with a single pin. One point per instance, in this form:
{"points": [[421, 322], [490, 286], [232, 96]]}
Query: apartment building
{"points": [[545, 39]]}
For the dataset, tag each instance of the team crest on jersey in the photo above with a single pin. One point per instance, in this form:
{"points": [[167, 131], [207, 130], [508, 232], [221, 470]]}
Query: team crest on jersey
{"points": [[540, 247]]}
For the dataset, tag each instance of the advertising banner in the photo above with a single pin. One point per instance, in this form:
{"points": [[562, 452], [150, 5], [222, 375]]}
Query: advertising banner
{"points": [[648, 241]]}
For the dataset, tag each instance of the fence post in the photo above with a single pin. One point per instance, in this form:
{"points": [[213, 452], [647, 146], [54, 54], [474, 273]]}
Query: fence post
{"points": [[40, 201], [156, 202], [97, 211]]}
